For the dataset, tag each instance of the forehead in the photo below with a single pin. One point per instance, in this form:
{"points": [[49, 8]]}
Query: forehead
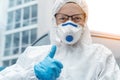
{"points": [[71, 9]]}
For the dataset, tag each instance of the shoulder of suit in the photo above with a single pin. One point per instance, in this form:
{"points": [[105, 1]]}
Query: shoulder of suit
{"points": [[102, 49]]}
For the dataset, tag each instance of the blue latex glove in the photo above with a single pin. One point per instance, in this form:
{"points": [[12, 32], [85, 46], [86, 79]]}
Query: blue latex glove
{"points": [[49, 68]]}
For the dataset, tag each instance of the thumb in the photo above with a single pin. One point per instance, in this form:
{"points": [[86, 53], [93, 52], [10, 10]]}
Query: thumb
{"points": [[52, 51]]}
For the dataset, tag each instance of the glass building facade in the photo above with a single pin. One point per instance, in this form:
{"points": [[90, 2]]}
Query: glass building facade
{"points": [[21, 29]]}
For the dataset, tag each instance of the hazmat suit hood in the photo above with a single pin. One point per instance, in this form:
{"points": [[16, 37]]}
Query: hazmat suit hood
{"points": [[85, 38]]}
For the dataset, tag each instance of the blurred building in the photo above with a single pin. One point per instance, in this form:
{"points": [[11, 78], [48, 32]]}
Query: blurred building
{"points": [[22, 27]]}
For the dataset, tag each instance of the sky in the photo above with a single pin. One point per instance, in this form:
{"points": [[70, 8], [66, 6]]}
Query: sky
{"points": [[104, 15]]}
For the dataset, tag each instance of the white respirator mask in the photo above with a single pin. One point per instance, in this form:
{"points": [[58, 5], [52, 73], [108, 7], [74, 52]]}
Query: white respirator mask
{"points": [[69, 32]]}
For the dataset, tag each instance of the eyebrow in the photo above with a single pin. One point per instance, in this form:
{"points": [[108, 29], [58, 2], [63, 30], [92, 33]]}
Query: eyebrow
{"points": [[71, 2], [69, 15]]}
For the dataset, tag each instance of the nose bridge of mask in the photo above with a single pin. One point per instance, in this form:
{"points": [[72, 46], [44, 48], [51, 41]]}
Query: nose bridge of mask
{"points": [[69, 23], [70, 26]]}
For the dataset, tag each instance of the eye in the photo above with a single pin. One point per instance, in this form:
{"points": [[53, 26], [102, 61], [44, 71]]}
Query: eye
{"points": [[62, 18], [77, 19]]}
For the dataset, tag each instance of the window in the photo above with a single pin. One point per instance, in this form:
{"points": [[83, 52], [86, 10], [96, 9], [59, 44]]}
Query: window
{"points": [[33, 35], [8, 44], [10, 17], [9, 62], [30, 18], [7, 52], [26, 16], [25, 38], [10, 20], [18, 2], [16, 39], [28, 37], [13, 61], [34, 11], [11, 3], [18, 15], [26, 13], [8, 41], [16, 43], [18, 18], [27, 1], [6, 63], [34, 14], [12, 43]]}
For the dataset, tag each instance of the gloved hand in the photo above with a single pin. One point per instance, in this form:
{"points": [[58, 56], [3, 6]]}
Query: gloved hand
{"points": [[49, 68]]}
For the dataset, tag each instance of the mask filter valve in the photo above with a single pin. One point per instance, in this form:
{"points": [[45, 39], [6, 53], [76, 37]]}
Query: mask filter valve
{"points": [[69, 38]]}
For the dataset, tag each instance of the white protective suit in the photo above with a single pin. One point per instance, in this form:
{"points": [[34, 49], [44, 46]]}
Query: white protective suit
{"points": [[82, 61]]}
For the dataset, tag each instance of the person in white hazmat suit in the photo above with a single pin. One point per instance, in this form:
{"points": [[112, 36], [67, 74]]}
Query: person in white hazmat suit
{"points": [[72, 57]]}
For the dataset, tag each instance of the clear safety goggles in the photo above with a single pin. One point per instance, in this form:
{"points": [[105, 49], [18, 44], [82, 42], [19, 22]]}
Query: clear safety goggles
{"points": [[61, 18]]}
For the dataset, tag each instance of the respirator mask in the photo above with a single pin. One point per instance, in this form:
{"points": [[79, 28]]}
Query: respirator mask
{"points": [[69, 32]]}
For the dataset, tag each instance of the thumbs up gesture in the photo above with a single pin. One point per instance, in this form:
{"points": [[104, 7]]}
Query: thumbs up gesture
{"points": [[49, 68]]}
